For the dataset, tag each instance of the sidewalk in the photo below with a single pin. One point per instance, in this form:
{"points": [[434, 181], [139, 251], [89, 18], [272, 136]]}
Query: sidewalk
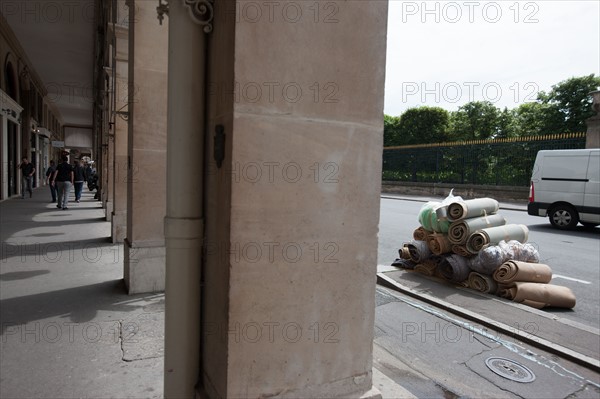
{"points": [[68, 328]]}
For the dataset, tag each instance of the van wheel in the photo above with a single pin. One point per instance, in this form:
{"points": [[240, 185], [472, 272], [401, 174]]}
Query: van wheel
{"points": [[563, 217]]}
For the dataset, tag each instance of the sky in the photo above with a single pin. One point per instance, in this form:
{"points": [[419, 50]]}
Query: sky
{"points": [[447, 53]]}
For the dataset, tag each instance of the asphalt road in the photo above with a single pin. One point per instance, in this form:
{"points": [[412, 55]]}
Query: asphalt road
{"points": [[574, 256]]}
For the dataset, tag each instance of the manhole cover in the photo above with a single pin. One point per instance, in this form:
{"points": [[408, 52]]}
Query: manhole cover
{"points": [[510, 369]]}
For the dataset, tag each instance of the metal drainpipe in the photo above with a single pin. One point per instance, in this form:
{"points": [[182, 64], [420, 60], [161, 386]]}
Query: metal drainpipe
{"points": [[184, 219]]}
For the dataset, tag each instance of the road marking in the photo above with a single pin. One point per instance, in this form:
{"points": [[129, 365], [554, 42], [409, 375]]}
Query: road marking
{"points": [[570, 278]]}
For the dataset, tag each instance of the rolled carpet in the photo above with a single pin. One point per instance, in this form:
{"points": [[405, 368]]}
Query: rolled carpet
{"points": [[472, 208], [481, 282], [461, 250], [540, 295], [404, 263], [460, 230], [418, 250], [454, 268], [438, 244], [426, 267], [420, 234], [404, 252], [493, 235], [513, 271]]}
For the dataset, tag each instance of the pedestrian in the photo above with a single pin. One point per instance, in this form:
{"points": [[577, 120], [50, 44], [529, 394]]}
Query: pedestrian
{"points": [[28, 170], [49, 173], [79, 176], [63, 178]]}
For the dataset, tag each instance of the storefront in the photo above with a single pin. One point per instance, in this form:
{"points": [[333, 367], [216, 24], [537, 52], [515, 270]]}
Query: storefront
{"points": [[10, 146]]}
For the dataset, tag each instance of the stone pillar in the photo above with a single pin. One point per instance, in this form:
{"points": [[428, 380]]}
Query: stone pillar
{"points": [[119, 166], [292, 214], [144, 262], [592, 139]]}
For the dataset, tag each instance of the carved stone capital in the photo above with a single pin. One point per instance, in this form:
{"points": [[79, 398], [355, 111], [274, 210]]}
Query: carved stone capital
{"points": [[201, 12]]}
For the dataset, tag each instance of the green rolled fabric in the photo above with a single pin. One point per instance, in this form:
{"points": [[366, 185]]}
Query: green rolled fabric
{"points": [[493, 235], [460, 230], [472, 208]]}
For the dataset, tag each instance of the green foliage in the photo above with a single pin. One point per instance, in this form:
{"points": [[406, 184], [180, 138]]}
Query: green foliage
{"points": [[424, 125], [477, 120], [563, 110], [571, 99]]}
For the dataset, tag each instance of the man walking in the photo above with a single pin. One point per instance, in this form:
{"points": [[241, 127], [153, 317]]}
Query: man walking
{"points": [[63, 178], [49, 173], [28, 170]]}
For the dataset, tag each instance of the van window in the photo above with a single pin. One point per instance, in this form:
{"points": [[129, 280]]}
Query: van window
{"points": [[565, 167]]}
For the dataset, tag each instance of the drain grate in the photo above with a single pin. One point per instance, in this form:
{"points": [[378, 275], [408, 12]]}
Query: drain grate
{"points": [[510, 369]]}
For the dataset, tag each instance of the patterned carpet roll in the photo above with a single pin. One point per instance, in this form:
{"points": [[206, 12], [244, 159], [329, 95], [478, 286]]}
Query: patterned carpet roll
{"points": [[419, 251], [472, 208], [459, 231], [493, 235], [454, 268], [482, 283], [420, 234], [513, 271], [539, 295]]}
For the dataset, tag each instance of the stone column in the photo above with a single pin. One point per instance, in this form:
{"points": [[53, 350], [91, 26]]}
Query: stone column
{"points": [[119, 166], [592, 139], [292, 213], [146, 163]]}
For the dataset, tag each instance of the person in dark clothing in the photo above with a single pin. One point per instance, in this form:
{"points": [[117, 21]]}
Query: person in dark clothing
{"points": [[28, 170], [63, 178], [79, 178], [49, 173]]}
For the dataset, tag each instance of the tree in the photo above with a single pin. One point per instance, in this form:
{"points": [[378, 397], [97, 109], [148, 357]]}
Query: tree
{"points": [[475, 120], [535, 119], [572, 100], [391, 131], [423, 125]]}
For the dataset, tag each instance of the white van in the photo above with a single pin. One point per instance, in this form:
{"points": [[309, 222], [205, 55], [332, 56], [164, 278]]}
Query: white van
{"points": [[565, 186]]}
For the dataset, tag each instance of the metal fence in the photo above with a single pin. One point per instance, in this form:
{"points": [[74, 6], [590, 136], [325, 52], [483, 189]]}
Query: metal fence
{"points": [[503, 162]]}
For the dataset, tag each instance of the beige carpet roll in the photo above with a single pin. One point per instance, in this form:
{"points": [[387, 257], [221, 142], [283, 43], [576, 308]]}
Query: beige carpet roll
{"points": [[493, 235], [540, 295], [426, 268], [482, 283], [438, 244], [459, 231], [420, 234], [513, 271], [404, 252], [472, 208]]}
